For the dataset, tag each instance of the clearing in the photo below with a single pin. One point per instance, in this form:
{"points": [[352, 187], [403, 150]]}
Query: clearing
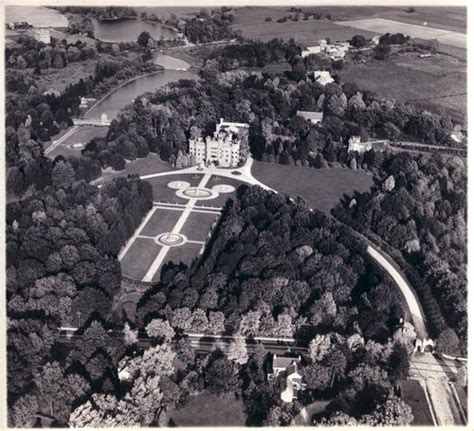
{"points": [[76, 142], [437, 83], [207, 410], [322, 189]]}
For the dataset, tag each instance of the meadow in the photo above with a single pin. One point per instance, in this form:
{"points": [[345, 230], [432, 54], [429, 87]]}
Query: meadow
{"points": [[437, 83], [322, 189]]}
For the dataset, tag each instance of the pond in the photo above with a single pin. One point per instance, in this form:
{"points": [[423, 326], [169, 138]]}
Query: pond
{"points": [[127, 30], [126, 94]]}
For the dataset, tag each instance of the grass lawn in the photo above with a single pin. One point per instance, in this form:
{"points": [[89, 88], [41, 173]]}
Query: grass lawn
{"points": [[186, 254], [161, 191], [437, 83], [81, 136], [206, 410], [197, 226], [161, 221], [151, 164], [251, 22], [414, 395], [223, 197], [321, 188], [139, 257]]}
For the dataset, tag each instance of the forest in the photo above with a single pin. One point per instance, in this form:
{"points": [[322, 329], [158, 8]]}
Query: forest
{"points": [[306, 276], [62, 271], [419, 209]]}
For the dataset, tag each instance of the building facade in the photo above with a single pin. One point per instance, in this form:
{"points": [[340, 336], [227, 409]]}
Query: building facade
{"points": [[222, 149]]}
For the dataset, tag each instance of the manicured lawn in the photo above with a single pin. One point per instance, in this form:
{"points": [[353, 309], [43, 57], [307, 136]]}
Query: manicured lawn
{"points": [[198, 225], [206, 410], [223, 197], [139, 257], [151, 164], [436, 83], [161, 191], [414, 395], [186, 254], [321, 188], [81, 136], [161, 221]]}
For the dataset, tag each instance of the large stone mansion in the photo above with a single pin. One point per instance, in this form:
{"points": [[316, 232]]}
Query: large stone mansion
{"points": [[222, 149]]}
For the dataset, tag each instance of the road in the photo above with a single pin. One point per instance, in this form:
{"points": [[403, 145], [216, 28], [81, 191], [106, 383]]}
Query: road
{"points": [[206, 343], [59, 141]]}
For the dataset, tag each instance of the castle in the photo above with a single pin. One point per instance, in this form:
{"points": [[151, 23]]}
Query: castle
{"points": [[223, 149]]}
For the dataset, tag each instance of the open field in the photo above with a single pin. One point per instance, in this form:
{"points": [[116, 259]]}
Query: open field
{"points": [[38, 16], [437, 83], [251, 22], [414, 395], [382, 25], [322, 189], [206, 410], [448, 18]]}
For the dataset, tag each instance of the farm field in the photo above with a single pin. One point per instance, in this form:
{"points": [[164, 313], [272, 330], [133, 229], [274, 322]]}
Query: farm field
{"points": [[206, 410], [251, 22], [382, 25], [38, 16], [322, 189], [437, 83]]}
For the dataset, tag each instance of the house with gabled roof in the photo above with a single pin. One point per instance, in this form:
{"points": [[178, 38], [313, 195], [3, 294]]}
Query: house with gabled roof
{"points": [[288, 367]]}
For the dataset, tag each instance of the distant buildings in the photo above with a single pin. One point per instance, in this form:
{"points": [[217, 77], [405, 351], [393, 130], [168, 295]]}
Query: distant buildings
{"points": [[20, 25], [288, 366], [355, 144], [336, 51], [321, 76], [222, 149], [42, 35], [313, 117]]}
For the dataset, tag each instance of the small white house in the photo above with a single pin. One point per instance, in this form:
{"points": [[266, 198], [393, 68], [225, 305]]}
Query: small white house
{"points": [[293, 381], [313, 117], [322, 76], [311, 50]]}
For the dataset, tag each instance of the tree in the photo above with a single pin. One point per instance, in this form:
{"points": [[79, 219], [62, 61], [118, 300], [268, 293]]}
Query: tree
{"points": [[220, 377], [319, 346], [358, 41], [160, 329], [216, 322], [317, 376], [447, 342], [394, 412], [129, 336], [63, 174], [237, 351], [382, 51], [21, 63], [399, 363], [278, 416], [143, 39]]}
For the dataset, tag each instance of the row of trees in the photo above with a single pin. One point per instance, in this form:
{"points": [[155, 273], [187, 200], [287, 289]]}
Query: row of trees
{"points": [[30, 53], [210, 27]]}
